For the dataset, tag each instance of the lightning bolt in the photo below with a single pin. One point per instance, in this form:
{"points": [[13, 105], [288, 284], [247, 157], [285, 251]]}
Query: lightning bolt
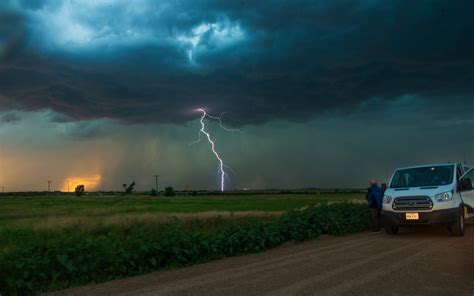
{"points": [[203, 130], [242, 133]]}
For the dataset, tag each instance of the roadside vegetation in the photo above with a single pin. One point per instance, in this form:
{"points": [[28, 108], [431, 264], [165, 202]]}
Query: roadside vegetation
{"points": [[35, 260], [88, 211]]}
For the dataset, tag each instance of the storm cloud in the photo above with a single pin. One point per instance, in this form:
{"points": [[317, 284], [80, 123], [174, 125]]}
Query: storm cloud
{"points": [[329, 93], [156, 61]]}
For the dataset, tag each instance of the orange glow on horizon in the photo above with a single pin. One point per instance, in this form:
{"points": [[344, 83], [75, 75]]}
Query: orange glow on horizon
{"points": [[90, 182]]}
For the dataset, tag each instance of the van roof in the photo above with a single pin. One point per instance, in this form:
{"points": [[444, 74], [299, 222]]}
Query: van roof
{"points": [[428, 165]]}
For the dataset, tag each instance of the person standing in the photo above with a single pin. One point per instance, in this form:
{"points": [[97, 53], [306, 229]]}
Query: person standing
{"points": [[374, 201]]}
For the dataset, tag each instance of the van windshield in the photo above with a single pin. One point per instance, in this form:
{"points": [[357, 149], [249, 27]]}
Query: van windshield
{"points": [[423, 176]]}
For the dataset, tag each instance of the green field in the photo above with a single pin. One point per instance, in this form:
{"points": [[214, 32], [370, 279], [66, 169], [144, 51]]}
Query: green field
{"points": [[55, 242], [88, 211]]}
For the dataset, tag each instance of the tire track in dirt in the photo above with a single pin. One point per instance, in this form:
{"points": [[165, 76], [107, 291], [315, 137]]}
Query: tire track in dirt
{"points": [[263, 277], [374, 273], [297, 286], [261, 267]]}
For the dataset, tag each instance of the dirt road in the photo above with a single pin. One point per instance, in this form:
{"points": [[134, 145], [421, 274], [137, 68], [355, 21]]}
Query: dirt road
{"points": [[415, 262]]}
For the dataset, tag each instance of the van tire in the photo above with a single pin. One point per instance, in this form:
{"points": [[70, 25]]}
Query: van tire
{"points": [[392, 230], [457, 228]]}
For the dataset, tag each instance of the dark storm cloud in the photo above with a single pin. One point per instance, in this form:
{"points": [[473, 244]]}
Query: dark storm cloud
{"points": [[85, 129], [12, 30], [152, 61], [10, 117]]}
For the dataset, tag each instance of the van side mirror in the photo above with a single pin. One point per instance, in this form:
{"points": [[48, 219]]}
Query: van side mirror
{"points": [[466, 184]]}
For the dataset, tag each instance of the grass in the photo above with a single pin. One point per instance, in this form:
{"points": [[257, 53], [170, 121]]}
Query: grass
{"points": [[52, 212]]}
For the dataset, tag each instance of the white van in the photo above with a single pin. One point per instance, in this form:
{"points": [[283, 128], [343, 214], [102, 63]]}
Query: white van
{"points": [[437, 194]]}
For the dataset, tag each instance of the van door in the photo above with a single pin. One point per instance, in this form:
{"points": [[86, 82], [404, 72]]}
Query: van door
{"points": [[467, 191], [465, 168]]}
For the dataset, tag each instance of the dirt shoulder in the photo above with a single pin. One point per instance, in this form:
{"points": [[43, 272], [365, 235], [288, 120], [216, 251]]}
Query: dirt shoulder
{"points": [[426, 261]]}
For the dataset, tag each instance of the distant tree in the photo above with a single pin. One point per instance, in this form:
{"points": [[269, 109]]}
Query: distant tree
{"points": [[169, 191], [153, 192], [80, 189], [194, 193], [129, 188]]}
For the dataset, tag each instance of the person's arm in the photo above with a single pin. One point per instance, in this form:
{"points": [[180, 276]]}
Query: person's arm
{"points": [[369, 196]]}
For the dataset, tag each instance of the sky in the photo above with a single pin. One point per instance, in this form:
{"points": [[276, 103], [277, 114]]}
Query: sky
{"points": [[328, 93]]}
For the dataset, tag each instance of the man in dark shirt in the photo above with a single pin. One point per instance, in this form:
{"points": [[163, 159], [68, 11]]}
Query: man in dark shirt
{"points": [[374, 200]]}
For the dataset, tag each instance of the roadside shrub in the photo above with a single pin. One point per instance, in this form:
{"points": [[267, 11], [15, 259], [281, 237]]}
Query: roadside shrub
{"points": [[78, 257], [169, 191]]}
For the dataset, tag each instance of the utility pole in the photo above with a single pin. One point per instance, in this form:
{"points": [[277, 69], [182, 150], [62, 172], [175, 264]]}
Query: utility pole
{"points": [[67, 186], [49, 185], [156, 182]]}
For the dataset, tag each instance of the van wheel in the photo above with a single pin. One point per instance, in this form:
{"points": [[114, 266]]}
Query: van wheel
{"points": [[457, 228], [392, 230]]}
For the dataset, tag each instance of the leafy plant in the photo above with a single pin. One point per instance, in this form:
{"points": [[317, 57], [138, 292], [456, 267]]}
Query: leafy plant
{"points": [[50, 261]]}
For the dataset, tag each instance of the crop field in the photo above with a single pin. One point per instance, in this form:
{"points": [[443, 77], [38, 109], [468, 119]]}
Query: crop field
{"points": [[88, 211], [55, 242]]}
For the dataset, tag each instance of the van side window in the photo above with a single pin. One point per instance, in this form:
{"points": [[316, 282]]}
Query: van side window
{"points": [[470, 176], [466, 168]]}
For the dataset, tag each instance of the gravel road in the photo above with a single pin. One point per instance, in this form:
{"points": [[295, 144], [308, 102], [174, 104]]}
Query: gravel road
{"points": [[425, 261]]}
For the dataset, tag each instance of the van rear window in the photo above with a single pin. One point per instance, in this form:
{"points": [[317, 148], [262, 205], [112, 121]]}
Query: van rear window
{"points": [[423, 176]]}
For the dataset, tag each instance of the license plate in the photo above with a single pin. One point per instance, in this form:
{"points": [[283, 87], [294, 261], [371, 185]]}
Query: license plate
{"points": [[411, 216]]}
